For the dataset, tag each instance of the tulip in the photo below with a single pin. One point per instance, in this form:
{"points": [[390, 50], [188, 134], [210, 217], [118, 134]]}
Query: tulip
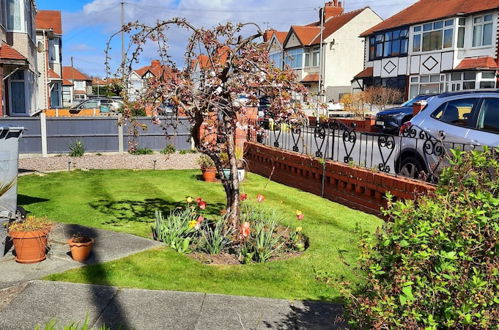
{"points": [[243, 197], [260, 198], [299, 229], [189, 199], [245, 229], [299, 215], [202, 205], [199, 200]]}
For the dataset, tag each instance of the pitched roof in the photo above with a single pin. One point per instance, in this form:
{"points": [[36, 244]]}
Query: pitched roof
{"points": [[311, 34], [221, 58], [475, 63], [66, 82], [156, 69], [9, 53], [49, 20], [52, 74], [366, 73], [429, 10], [313, 77], [70, 73]]}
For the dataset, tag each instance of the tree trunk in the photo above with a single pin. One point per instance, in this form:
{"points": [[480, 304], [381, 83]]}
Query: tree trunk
{"points": [[233, 211]]}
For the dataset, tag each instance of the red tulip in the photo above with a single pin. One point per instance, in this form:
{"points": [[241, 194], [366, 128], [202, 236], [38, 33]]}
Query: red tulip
{"points": [[260, 198], [199, 200], [200, 219], [202, 205], [243, 197], [245, 229]]}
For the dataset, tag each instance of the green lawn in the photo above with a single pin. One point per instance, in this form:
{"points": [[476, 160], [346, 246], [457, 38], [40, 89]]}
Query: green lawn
{"points": [[126, 200]]}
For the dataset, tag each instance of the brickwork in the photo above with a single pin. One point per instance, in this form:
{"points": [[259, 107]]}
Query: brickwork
{"points": [[358, 188]]}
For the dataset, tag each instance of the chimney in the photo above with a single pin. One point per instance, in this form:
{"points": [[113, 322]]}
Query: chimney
{"points": [[268, 34], [155, 63], [333, 8]]}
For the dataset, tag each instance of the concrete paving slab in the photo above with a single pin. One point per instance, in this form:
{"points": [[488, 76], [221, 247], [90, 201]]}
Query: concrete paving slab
{"points": [[146, 309], [109, 246], [43, 301]]}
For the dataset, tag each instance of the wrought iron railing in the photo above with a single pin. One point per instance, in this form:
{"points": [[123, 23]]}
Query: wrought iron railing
{"points": [[415, 153]]}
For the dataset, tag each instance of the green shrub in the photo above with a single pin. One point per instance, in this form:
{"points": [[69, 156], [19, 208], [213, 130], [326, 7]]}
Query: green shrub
{"points": [[175, 230], [168, 150], [76, 149], [52, 325], [142, 151], [435, 263], [187, 151]]}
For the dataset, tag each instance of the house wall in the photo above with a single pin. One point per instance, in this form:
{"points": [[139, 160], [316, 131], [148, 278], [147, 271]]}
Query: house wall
{"points": [[42, 64], [344, 54]]}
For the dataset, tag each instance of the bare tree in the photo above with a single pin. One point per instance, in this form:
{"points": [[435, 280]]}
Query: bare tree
{"points": [[225, 70]]}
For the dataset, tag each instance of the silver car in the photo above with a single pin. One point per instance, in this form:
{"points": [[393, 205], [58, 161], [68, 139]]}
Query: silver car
{"points": [[465, 120]]}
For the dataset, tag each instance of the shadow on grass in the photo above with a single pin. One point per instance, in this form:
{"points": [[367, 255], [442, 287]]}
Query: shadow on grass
{"points": [[126, 211], [104, 298], [23, 200]]}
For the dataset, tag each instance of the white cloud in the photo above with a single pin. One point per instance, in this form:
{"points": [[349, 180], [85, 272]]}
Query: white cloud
{"points": [[278, 14]]}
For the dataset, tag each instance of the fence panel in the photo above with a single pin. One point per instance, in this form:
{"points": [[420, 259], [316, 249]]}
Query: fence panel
{"points": [[157, 137], [31, 141]]}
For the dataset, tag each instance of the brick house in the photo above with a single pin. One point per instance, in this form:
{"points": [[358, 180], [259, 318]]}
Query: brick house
{"points": [[433, 46], [49, 42], [342, 51], [139, 77], [18, 65], [81, 85]]}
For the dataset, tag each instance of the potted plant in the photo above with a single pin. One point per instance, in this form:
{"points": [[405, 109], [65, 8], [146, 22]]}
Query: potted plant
{"points": [[208, 168], [30, 239], [80, 246]]}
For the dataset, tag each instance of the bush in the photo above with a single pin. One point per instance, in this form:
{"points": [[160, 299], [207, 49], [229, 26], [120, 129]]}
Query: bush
{"points": [[214, 238], [76, 149], [141, 151], [169, 149], [205, 162], [188, 151], [435, 264]]}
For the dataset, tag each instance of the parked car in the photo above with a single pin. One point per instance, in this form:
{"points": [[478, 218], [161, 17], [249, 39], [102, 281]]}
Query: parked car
{"points": [[103, 104], [389, 121], [264, 112], [463, 120]]}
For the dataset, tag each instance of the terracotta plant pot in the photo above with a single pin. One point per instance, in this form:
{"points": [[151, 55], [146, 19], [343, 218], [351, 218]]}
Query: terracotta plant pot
{"points": [[209, 174], [30, 247], [80, 251]]}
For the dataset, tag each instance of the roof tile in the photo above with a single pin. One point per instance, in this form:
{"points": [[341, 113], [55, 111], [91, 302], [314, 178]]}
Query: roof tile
{"points": [[49, 20], [9, 53], [476, 63], [70, 73]]}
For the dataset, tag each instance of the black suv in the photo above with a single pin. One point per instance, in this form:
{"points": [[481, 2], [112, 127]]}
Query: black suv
{"points": [[389, 121]]}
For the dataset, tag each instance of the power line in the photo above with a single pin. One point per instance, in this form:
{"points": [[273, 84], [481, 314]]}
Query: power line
{"points": [[220, 10]]}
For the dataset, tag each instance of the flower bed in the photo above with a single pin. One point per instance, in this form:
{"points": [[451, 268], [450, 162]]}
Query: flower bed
{"points": [[212, 240]]}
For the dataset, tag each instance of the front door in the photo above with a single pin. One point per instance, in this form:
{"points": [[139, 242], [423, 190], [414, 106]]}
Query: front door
{"points": [[17, 93]]}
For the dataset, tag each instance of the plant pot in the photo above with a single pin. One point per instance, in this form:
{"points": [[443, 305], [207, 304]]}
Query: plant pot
{"points": [[209, 174], [80, 251], [226, 172], [30, 247]]}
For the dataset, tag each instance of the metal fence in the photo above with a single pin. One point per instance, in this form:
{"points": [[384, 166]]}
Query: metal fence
{"points": [[415, 153], [105, 134]]}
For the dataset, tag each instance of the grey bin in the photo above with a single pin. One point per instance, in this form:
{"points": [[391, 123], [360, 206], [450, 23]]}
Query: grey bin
{"points": [[9, 163]]}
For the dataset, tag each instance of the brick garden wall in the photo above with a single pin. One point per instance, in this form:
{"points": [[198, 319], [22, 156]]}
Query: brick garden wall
{"points": [[354, 187]]}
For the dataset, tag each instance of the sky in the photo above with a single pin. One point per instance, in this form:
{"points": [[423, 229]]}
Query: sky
{"points": [[88, 24]]}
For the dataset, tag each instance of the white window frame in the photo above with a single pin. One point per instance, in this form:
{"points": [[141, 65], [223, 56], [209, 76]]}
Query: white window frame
{"points": [[482, 25], [419, 30], [433, 79]]}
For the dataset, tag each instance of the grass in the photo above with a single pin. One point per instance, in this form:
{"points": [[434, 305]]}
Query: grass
{"points": [[125, 201]]}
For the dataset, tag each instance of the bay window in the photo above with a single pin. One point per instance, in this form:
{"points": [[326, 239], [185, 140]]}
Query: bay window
{"points": [[294, 58], [482, 30], [461, 32], [389, 44], [14, 20], [276, 59], [312, 58], [433, 36]]}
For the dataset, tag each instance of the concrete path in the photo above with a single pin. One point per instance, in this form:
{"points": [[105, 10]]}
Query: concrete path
{"points": [[42, 301], [108, 246]]}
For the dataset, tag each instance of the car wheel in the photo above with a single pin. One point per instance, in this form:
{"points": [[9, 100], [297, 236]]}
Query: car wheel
{"points": [[411, 167]]}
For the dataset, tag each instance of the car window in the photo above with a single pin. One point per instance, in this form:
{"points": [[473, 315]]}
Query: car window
{"points": [[90, 105], [488, 120], [457, 112]]}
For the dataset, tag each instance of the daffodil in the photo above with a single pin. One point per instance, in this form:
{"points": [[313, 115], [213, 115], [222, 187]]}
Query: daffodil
{"points": [[299, 229], [192, 224]]}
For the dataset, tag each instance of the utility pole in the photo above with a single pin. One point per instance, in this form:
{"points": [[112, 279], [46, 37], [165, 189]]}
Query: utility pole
{"points": [[122, 33], [72, 61], [321, 61]]}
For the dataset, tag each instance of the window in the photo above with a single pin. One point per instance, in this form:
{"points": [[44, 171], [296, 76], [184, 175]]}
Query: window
{"points": [[29, 19], [433, 36], [427, 84], [276, 59], [14, 15], [55, 96], [79, 85], [316, 57], [461, 30], [488, 120], [294, 58], [482, 31], [389, 44], [399, 83], [3, 18], [457, 112], [54, 52], [17, 93]]}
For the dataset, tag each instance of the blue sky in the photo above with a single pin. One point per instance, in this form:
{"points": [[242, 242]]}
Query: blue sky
{"points": [[87, 24]]}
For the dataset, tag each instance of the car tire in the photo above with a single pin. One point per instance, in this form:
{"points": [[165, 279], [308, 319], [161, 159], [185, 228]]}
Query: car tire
{"points": [[411, 167]]}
